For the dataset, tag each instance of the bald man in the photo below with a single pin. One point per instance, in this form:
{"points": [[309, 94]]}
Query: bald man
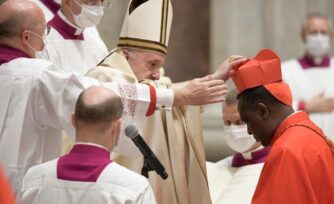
{"points": [[87, 174], [36, 101]]}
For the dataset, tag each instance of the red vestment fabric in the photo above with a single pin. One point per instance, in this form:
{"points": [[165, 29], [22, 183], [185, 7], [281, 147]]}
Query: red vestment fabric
{"points": [[6, 194], [299, 168]]}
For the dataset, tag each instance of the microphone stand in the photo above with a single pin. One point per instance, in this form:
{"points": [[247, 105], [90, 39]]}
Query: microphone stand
{"points": [[146, 168]]}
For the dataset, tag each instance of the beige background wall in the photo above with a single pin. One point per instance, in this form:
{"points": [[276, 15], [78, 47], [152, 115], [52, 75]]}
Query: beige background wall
{"points": [[246, 26], [205, 32]]}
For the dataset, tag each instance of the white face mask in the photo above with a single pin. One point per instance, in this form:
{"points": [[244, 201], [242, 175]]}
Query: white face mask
{"points": [[317, 45], [89, 16], [238, 138], [40, 54]]}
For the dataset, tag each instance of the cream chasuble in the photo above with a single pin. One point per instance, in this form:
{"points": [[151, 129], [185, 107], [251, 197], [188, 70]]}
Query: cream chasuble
{"points": [[175, 136]]}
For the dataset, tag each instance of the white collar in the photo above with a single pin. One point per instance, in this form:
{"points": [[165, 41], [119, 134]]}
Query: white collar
{"points": [[248, 155]]}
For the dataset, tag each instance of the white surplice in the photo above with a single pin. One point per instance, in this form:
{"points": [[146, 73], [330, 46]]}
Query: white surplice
{"points": [[115, 185], [306, 83], [36, 105], [73, 54]]}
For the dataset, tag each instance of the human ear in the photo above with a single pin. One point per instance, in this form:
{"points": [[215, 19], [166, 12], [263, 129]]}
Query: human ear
{"points": [[116, 126], [66, 2], [126, 53], [74, 120], [116, 129], [25, 37], [303, 36], [262, 111]]}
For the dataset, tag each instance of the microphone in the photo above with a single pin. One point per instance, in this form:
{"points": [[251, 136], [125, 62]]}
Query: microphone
{"points": [[151, 160]]}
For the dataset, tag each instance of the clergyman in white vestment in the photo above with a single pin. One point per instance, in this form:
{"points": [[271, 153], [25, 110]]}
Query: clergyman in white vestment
{"points": [[86, 174], [311, 77], [74, 43]]}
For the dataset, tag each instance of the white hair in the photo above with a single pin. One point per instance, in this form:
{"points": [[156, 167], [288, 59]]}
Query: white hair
{"points": [[317, 15]]}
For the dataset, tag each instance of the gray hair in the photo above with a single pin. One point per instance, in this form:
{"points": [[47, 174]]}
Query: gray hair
{"points": [[2, 1], [14, 23], [102, 113], [132, 51], [317, 15], [231, 97], [11, 26]]}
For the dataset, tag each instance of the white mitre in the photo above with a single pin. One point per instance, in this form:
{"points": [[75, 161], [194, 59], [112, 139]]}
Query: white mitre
{"points": [[147, 26]]}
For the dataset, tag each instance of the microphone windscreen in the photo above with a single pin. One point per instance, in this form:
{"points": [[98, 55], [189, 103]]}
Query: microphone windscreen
{"points": [[131, 131]]}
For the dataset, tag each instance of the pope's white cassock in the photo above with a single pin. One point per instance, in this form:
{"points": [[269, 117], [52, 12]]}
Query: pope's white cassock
{"points": [[72, 48], [84, 176], [306, 81], [36, 104]]}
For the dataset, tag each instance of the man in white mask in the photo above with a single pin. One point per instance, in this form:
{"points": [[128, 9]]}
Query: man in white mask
{"points": [[74, 43], [311, 76], [239, 172]]}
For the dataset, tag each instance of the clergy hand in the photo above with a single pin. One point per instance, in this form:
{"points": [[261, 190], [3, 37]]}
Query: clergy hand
{"points": [[201, 91], [319, 104], [226, 69]]}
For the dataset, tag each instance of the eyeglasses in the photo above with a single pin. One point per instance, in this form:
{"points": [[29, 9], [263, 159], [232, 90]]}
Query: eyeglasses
{"points": [[103, 3], [47, 31]]}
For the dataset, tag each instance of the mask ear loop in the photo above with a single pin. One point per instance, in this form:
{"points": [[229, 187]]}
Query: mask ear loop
{"points": [[78, 5], [43, 39]]}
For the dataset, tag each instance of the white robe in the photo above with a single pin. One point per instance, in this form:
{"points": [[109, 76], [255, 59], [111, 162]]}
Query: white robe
{"points": [[75, 55], [306, 83], [115, 185], [49, 15], [36, 105], [232, 185]]}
